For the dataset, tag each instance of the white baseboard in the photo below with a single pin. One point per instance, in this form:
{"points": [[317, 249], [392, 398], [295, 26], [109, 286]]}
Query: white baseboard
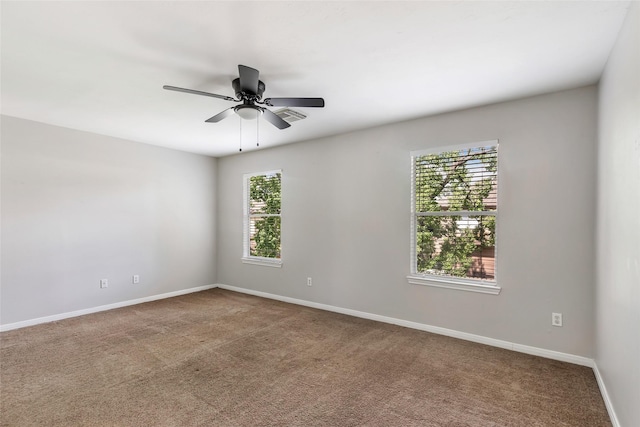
{"points": [[605, 396], [549, 354], [61, 316]]}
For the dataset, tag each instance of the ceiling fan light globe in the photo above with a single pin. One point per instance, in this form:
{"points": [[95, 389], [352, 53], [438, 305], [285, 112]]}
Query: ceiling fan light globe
{"points": [[248, 112]]}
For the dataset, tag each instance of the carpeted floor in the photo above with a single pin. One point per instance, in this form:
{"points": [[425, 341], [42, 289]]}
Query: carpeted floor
{"points": [[220, 358]]}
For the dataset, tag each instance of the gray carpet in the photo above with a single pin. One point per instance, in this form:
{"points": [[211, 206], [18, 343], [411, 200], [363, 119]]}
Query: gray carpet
{"points": [[220, 358]]}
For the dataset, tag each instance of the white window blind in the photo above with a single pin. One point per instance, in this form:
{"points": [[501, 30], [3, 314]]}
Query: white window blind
{"points": [[454, 211]]}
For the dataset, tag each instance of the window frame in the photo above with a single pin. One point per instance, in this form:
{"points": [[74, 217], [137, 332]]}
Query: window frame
{"points": [[449, 282], [247, 258]]}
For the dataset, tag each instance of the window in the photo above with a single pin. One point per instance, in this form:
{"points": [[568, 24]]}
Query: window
{"points": [[262, 222], [454, 208]]}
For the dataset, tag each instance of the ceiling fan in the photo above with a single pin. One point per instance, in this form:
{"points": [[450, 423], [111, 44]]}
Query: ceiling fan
{"points": [[249, 90]]}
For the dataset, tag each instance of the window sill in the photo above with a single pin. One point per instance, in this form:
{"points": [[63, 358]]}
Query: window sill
{"points": [[457, 284], [268, 262]]}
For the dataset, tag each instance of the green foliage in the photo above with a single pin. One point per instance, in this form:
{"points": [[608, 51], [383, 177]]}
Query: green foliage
{"points": [[264, 193], [266, 238], [265, 199], [451, 182]]}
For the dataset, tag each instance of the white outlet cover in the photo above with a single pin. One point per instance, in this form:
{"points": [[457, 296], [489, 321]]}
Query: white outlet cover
{"points": [[556, 319]]}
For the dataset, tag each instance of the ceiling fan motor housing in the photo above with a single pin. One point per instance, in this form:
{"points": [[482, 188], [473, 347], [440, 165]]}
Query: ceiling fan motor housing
{"points": [[240, 94]]}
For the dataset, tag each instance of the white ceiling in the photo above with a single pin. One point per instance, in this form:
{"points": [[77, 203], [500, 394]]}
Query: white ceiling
{"points": [[100, 66]]}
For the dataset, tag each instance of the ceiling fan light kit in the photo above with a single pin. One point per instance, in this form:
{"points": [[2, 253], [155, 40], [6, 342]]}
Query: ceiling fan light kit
{"points": [[249, 89], [248, 112]]}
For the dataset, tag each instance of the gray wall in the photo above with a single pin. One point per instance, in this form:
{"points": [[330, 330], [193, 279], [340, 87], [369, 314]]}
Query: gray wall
{"points": [[78, 207], [346, 220], [618, 283]]}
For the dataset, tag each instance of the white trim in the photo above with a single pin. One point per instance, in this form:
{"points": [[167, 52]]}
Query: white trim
{"points": [[61, 316], [549, 354], [605, 396], [413, 253], [552, 354], [269, 262], [452, 283]]}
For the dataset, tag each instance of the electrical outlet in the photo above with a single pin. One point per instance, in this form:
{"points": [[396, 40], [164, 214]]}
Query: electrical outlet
{"points": [[556, 319], [309, 281], [104, 283], [136, 278]]}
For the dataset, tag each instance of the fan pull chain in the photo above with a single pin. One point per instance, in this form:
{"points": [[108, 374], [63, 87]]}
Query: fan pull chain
{"points": [[240, 134], [258, 131]]}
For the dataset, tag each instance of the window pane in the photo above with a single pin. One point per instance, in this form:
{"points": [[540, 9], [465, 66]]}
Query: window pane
{"points": [[464, 180], [264, 194], [264, 237], [456, 246]]}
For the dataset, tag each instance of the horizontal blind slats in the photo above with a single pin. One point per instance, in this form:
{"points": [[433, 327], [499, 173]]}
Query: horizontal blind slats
{"points": [[457, 180]]}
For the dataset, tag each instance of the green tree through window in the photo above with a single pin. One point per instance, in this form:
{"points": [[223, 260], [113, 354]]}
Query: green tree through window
{"points": [[264, 215], [455, 206]]}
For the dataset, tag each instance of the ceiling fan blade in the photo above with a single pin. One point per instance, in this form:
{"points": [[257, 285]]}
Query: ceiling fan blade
{"points": [[274, 119], [294, 102], [224, 114], [197, 92], [249, 78]]}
